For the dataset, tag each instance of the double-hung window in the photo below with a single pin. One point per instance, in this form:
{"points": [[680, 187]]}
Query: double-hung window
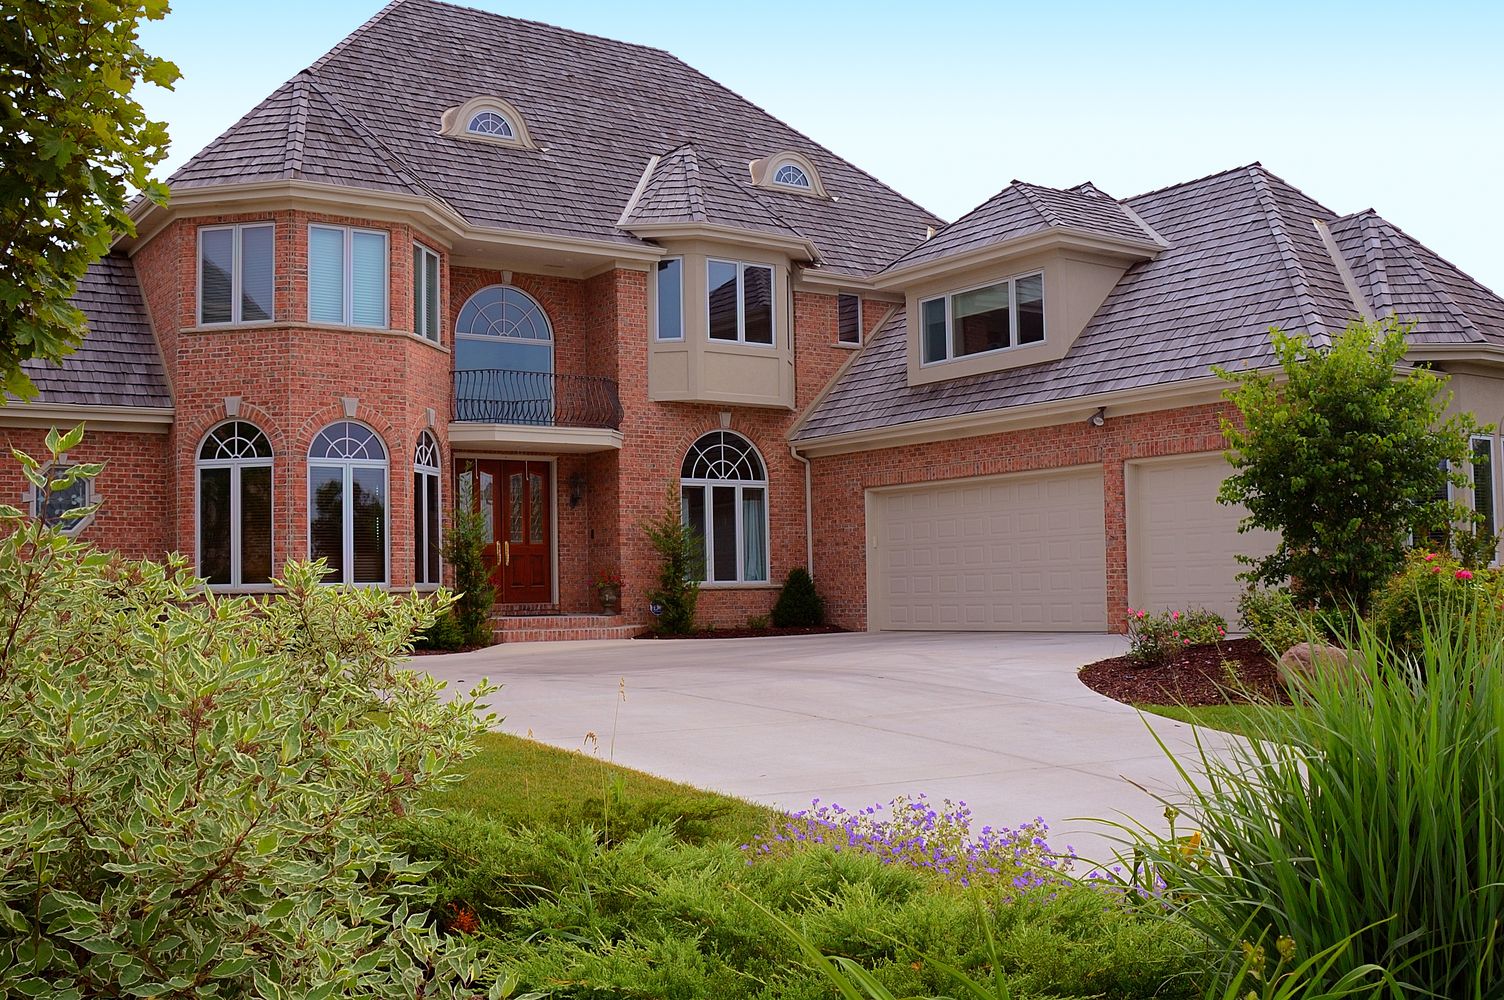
{"points": [[848, 319], [235, 274], [980, 320], [668, 299], [740, 302], [425, 293], [1482, 469], [347, 276]]}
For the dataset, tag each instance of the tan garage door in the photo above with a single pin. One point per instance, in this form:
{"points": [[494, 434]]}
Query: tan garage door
{"points": [[1182, 544], [1024, 553]]}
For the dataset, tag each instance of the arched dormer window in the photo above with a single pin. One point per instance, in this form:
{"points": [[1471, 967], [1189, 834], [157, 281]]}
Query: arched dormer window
{"points": [[723, 488], [488, 119], [788, 171]]}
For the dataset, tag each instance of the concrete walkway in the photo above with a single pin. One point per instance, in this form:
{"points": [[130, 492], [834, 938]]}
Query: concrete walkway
{"points": [[997, 720]]}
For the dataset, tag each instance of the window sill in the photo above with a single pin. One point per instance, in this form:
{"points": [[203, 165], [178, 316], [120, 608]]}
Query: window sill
{"points": [[739, 586], [231, 590], [847, 345], [380, 331]]}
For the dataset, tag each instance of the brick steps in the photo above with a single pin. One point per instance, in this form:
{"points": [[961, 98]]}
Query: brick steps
{"points": [[562, 628]]}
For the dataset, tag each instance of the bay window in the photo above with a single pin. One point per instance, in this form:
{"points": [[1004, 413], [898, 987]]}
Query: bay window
{"points": [[740, 302], [235, 506], [347, 276], [347, 503], [980, 320], [669, 299], [235, 273], [425, 293]]}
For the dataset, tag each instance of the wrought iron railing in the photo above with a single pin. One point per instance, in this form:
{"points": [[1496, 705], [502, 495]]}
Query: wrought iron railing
{"points": [[537, 399]]}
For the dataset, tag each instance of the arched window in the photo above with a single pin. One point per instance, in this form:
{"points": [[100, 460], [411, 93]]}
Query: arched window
{"points": [[427, 521], [347, 503], [504, 359], [791, 175], [492, 123], [235, 506], [724, 498]]}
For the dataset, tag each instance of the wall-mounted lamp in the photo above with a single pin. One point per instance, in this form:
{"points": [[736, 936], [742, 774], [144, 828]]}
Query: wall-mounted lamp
{"points": [[1099, 418], [576, 488]]}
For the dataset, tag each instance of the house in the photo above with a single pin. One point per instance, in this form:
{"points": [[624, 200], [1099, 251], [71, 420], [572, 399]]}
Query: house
{"points": [[569, 281]]}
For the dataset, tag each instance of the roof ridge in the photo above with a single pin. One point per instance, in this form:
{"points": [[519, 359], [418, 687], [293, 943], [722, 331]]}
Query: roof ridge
{"points": [[692, 186], [1316, 329], [1045, 212], [1450, 304], [1438, 256], [1374, 252], [392, 161], [636, 196], [1194, 180], [298, 132], [344, 43], [471, 8]]}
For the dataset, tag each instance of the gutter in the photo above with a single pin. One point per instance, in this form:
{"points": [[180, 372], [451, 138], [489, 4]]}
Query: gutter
{"points": [[809, 512]]}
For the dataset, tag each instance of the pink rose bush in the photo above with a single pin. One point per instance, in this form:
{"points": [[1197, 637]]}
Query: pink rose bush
{"points": [[1158, 638]]}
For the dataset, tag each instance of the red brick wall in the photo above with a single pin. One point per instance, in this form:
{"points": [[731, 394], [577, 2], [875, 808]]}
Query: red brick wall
{"points": [[841, 481], [133, 488]]}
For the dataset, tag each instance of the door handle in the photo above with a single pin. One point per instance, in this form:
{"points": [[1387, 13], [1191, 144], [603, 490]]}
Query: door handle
{"points": [[506, 553]]}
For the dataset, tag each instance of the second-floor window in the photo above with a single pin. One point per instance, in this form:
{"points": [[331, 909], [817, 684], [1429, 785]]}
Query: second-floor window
{"points": [[425, 293], [669, 299], [740, 302], [979, 320], [347, 276], [235, 274], [849, 319]]}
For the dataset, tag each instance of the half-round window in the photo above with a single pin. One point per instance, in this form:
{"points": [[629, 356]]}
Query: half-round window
{"points": [[235, 506], [791, 175], [348, 523], [724, 498], [491, 123], [504, 359]]}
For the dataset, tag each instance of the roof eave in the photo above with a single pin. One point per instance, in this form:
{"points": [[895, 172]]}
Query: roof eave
{"points": [[1057, 237], [40, 413], [796, 246]]}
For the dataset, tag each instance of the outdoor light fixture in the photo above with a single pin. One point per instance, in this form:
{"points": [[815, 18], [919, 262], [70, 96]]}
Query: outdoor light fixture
{"points": [[1099, 418], [576, 488]]}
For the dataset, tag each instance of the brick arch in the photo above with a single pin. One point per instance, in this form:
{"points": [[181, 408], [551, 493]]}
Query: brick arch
{"points": [[688, 438], [195, 432], [378, 421]]}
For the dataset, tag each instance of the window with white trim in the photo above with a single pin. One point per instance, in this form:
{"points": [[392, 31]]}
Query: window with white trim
{"points": [[982, 320], [62, 497], [235, 273], [792, 175], [235, 506], [347, 503], [848, 319], [427, 519], [491, 123], [347, 276], [1481, 471], [739, 302], [724, 499], [669, 299], [425, 293]]}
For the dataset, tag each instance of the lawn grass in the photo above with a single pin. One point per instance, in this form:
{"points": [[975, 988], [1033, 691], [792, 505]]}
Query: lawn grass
{"points": [[525, 783], [1244, 720]]}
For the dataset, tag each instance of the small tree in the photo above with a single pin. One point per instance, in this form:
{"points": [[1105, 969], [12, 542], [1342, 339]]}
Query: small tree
{"points": [[681, 567], [465, 551], [1346, 457], [799, 604], [74, 143]]}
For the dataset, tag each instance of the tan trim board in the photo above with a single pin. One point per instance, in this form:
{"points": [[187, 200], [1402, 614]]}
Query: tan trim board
{"points": [[726, 234], [539, 440], [144, 419], [1032, 243]]}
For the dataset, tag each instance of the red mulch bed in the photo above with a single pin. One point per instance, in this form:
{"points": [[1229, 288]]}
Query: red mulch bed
{"points": [[1197, 677], [749, 633]]}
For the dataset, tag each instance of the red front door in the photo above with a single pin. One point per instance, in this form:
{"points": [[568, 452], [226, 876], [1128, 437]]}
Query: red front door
{"points": [[516, 499]]}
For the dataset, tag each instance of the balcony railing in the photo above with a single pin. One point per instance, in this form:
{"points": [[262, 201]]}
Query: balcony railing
{"points": [[535, 399]]}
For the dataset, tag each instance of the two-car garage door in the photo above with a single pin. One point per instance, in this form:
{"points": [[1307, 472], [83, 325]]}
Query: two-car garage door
{"points": [[1024, 552], [1028, 552]]}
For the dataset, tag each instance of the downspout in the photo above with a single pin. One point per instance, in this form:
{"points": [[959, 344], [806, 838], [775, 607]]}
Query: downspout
{"points": [[809, 512]]}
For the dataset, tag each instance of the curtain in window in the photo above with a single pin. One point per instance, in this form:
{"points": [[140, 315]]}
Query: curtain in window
{"points": [[326, 275], [368, 278], [754, 542], [255, 273]]}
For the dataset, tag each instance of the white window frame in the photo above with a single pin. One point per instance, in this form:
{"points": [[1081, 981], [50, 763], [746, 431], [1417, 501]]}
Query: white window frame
{"points": [[859, 331], [348, 318], [1493, 493], [658, 302], [808, 185], [347, 512], [741, 303], [234, 465], [950, 331], [437, 473], [705, 485], [236, 278], [420, 292], [91, 499]]}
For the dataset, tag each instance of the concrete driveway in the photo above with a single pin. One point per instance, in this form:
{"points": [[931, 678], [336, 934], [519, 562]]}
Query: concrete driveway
{"points": [[996, 720]]}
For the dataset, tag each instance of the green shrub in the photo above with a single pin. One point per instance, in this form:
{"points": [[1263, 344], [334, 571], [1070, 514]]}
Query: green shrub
{"points": [[1157, 639], [799, 604], [465, 551], [445, 634], [1270, 615], [1432, 586], [758, 622], [681, 567], [195, 789], [1371, 815]]}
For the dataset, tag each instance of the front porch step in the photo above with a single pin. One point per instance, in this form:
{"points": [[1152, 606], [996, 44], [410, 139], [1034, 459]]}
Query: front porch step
{"points": [[562, 628]]}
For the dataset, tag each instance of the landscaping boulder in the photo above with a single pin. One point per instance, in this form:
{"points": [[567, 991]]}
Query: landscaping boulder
{"points": [[1302, 660]]}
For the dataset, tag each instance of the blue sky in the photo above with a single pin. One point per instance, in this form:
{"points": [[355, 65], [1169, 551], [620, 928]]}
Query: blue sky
{"points": [[1394, 106]]}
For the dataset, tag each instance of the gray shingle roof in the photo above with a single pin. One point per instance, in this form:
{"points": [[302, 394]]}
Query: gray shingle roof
{"points": [[682, 190], [597, 109], [1244, 254], [118, 363], [1024, 209]]}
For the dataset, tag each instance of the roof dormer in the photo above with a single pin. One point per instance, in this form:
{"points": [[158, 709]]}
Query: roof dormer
{"points": [[487, 119], [788, 171]]}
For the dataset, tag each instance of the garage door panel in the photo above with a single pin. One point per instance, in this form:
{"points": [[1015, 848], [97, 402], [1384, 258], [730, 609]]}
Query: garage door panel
{"points": [[1007, 553]]}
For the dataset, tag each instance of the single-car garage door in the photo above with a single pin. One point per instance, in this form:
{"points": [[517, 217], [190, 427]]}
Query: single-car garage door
{"points": [[1182, 544], [1024, 552]]}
